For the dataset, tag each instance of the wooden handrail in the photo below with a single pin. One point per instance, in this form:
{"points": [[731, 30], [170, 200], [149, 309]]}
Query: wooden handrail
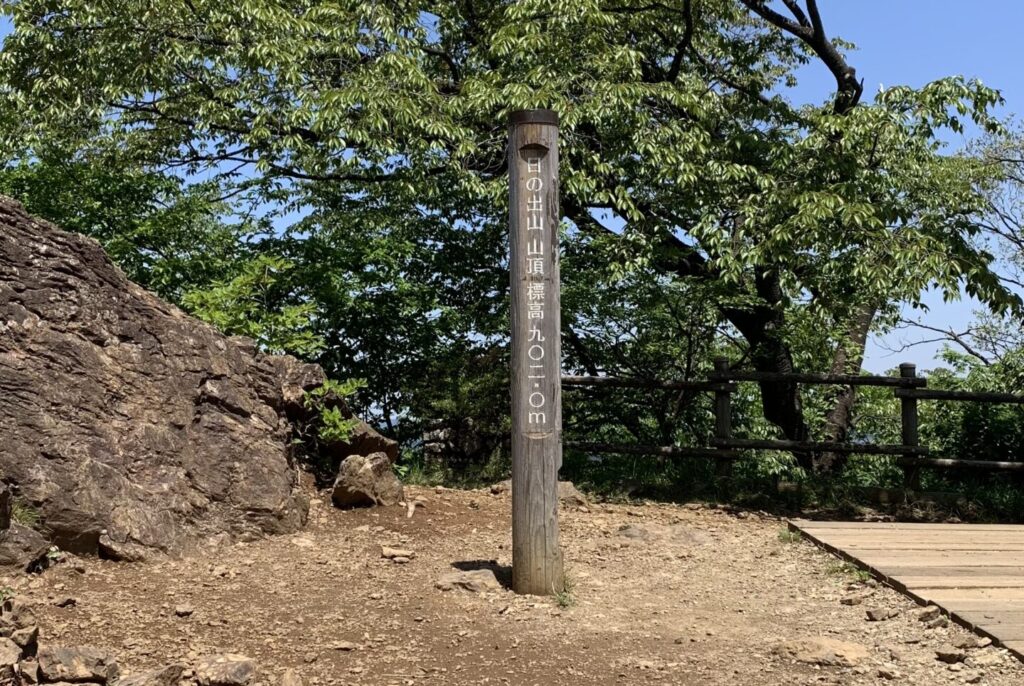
{"points": [[623, 382], [907, 387], [665, 450], [963, 396], [949, 463], [818, 447], [822, 379]]}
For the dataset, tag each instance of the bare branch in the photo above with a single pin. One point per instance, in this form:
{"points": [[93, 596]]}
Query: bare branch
{"points": [[848, 88], [961, 339]]}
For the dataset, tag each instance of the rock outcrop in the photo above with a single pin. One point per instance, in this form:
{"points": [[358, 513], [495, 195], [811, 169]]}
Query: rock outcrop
{"points": [[365, 481], [129, 427]]}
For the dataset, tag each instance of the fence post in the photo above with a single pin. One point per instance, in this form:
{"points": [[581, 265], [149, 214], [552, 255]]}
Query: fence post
{"points": [[723, 418], [908, 421], [536, 351]]}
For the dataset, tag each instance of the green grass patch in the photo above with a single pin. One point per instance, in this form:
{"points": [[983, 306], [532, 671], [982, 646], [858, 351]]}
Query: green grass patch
{"points": [[787, 535], [24, 514], [566, 598]]}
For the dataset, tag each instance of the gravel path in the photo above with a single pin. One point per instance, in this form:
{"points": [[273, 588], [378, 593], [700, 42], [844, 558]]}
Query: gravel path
{"points": [[661, 594]]}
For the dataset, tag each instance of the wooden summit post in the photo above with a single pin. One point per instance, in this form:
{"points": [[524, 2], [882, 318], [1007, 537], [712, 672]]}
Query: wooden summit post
{"points": [[536, 351]]}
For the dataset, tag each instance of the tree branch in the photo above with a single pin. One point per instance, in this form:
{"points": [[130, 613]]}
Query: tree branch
{"points": [[848, 88]]}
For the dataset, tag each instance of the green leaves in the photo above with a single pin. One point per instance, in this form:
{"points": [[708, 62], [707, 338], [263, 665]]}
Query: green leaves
{"points": [[333, 426], [260, 304], [373, 135]]}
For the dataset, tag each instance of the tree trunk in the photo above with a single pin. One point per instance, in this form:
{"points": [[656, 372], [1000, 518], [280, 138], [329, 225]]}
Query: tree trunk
{"points": [[848, 358], [762, 327]]}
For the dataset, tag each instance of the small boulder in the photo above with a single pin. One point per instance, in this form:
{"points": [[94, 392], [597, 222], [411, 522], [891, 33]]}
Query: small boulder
{"points": [[393, 553], [10, 654], [880, 614], [16, 615], [950, 654], [225, 670], [168, 675], [888, 673], [21, 548], [291, 678], [823, 651], [927, 614], [475, 581], [569, 495], [972, 642], [365, 481], [27, 639], [29, 671], [77, 664]]}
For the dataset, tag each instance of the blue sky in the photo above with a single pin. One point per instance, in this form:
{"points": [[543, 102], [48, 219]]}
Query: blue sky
{"points": [[913, 42]]}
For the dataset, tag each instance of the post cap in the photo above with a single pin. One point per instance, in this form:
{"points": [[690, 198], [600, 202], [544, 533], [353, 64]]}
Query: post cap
{"points": [[534, 117]]}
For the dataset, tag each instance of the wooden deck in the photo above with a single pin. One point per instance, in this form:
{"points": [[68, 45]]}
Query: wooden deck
{"points": [[974, 572]]}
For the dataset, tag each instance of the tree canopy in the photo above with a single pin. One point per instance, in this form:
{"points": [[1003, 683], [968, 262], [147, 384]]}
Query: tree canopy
{"points": [[355, 152]]}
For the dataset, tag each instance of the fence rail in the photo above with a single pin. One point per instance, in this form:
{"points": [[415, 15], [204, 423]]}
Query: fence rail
{"points": [[617, 382], [818, 447], [722, 382], [962, 396], [665, 450], [822, 379]]}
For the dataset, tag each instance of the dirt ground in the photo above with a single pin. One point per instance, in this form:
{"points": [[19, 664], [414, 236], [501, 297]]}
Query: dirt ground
{"points": [[662, 594]]}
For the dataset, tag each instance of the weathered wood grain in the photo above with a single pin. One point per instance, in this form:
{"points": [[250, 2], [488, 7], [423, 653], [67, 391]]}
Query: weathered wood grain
{"points": [[974, 572], [536, 352]]}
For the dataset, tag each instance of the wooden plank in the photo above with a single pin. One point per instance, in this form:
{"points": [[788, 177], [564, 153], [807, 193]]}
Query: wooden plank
{"points": [[808, 524], [938, 546], [952, 570], [1007, 632], [973, 572], [891, 558], [956, 595], [992, 617], [953, 536], [992, 607], [981, 547], [962, 534], [954, 581]]}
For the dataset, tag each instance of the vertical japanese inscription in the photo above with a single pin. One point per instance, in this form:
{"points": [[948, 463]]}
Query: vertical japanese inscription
{"points": [[536, 352], [537, 390]]}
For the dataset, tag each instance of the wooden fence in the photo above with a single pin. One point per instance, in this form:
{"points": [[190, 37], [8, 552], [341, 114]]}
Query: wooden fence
{"points": [[908, 387]]}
